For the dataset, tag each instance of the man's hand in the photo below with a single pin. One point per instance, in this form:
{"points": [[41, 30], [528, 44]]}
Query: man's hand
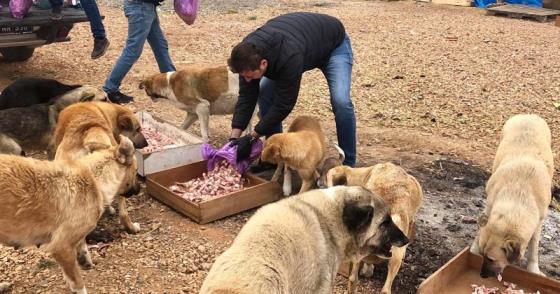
{"points": [[244, 145]]}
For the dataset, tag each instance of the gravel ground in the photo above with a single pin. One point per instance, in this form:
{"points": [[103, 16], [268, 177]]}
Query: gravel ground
{"points": [[432, 86]]}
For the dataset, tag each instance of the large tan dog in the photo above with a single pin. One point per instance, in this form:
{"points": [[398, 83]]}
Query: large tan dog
{"points": [[302, 148], [517, 196], [403, 195], [199, 90], [54, 205], [296, 245], [86, 127]]}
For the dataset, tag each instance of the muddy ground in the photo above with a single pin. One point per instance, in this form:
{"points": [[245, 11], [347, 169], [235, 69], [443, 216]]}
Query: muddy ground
{"points": [[431, 105]]}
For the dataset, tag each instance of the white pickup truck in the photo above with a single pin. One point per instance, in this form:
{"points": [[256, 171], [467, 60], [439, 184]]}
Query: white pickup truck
{"points": [[20, 37]]}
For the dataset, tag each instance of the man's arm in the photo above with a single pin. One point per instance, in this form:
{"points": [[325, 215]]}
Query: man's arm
{"points": [[248, 95]]}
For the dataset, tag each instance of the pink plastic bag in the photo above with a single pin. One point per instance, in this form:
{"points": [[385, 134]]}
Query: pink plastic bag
{"points": [[229, 153], [19, 8], [186, 9]]}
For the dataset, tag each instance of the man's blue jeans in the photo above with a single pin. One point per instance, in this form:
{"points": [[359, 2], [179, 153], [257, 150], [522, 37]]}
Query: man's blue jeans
{"points": [[95, 22], [143, 24], [338, 72]]}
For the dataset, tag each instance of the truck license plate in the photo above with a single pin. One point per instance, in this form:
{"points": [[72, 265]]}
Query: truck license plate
{"points": [[16, 30]]}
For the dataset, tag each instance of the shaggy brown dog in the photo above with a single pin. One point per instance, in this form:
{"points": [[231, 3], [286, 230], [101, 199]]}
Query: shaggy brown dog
{"points": [[302, 148]]}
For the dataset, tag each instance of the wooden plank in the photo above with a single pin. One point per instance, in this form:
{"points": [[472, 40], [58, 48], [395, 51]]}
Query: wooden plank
{"points": [[558, 21], [437, 282], [519, 11], [453, 2]]}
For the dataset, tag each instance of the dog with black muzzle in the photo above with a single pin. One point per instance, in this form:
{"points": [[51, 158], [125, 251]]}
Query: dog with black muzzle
{"points": [[54, 205], [31, 128], [296, 245], [517, 196], [403, 195]]}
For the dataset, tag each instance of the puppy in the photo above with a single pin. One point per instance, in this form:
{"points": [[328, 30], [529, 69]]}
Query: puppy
{"points": [[31, 128], [30, 91], [54, 205], [328, 163], [517, 196], [403, 195], [200, 91], [86, 127], [296, 245], [302, 148]]}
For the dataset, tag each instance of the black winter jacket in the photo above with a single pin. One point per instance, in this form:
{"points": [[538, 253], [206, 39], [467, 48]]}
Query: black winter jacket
{"points": [[292, 44]]}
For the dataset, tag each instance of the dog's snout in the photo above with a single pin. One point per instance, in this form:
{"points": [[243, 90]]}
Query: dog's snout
{"points": [[140, 141], [401, 241], [133, 190]]}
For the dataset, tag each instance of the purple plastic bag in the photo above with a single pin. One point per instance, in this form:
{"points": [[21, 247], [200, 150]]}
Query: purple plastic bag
{"points": [[186, 9], [229, 153], [19, 8]]}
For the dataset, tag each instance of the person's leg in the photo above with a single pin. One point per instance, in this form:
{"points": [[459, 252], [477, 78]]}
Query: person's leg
{"points": [[56, 12], [266, 98], [338, 72], [159, 46], [139, 23], [97, 29]]}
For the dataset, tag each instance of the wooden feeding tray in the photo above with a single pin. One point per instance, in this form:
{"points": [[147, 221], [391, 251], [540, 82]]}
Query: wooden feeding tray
{"points": [[187, 147], [463, 270], [257, 192], [524, 11]]}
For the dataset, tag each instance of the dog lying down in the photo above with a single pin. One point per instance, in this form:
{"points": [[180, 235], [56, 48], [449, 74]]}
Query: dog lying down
{"points": [[55, 204], [31, 128], [25, 92], [296, 245]]}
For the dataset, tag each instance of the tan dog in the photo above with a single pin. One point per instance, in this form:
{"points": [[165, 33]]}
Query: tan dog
{"points": [[56, 204], [403, 195], [200, 91], [328, 163], [86, 127], [302, 148], [517, 196], [296, 245], [31, 128]]}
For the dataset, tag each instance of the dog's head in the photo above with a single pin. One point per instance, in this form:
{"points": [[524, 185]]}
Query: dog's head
{"points": [[497, 247], [129, 126], [125, 156], [272, 150], [366, 217], [328, 164], [155, 86]]}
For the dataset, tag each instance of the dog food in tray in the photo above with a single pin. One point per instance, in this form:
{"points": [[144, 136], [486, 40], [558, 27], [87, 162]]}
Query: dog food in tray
{"points": [[251, 192], [168, 147], [461, 275]]}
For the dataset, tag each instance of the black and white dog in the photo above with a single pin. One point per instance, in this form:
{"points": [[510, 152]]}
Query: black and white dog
{"points": [[30, 91]]}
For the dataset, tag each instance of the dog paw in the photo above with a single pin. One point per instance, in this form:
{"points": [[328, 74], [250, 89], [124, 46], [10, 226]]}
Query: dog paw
{"points": [[535, 269], [367, 270], [134, 229]]}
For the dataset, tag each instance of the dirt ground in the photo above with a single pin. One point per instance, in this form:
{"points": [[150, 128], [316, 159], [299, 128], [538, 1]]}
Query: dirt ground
{"points": [[432, 86]]}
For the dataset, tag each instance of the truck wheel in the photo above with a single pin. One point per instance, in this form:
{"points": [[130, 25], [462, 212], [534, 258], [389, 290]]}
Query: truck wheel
{"points": [[15, 54]]}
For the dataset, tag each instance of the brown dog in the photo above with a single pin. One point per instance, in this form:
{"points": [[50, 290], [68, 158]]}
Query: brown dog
{"points": [[403, 195], [302, 148], [56, 204], [199, 90], [518, 195], [86, 127]]}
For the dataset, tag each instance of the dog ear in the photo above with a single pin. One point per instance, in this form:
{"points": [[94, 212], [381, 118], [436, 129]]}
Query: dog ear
{"points": [[513, 250], [339, 180], [125, 151], [125, 122], [356, 217], [482, 219]]}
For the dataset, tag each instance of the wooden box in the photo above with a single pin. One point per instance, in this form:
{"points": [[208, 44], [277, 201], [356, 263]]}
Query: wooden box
{"points": [[463, 270], [187, 150], [257, 192], [558, 21]]}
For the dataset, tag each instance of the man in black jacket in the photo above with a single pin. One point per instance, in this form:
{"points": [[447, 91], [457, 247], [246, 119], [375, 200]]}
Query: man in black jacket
{"points": [[270, 62]]}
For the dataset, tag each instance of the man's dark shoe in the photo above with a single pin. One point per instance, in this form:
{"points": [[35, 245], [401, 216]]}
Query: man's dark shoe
{"points": [[262, 166], [119, 98], [56, 13], [99, 47]]}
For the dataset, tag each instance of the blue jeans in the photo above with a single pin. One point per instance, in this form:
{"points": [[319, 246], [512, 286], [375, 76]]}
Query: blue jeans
{"points": [[143, 24], [95, 22], [338, 72]]}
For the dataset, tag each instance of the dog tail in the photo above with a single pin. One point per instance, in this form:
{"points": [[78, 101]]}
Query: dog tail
{"points": [[341, 155]]}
